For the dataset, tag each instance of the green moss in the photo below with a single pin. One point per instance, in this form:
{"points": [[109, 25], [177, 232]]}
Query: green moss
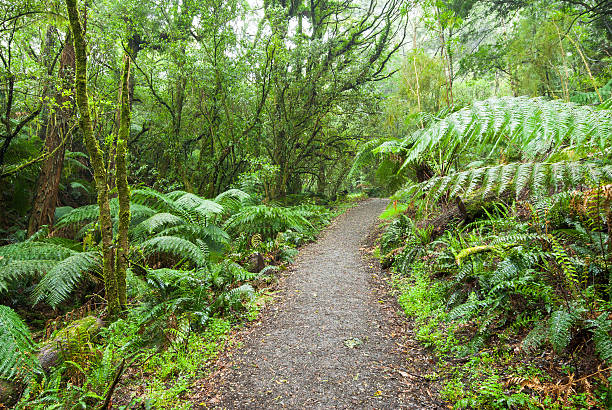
{"points": [[72, 342]]}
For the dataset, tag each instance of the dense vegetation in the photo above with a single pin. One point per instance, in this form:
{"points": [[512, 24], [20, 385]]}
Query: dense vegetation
{"points": [[499, 237], [160, 162]]}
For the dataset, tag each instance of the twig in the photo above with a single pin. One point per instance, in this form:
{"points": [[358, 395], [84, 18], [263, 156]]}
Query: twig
{"points": [[109, 395]]}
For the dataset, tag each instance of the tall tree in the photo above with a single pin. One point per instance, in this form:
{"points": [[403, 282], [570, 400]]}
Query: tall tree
{"points": [[56, 129], [114, 257]]}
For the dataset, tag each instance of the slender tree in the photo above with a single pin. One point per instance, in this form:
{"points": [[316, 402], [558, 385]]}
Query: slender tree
{"points": [[114, 257]]}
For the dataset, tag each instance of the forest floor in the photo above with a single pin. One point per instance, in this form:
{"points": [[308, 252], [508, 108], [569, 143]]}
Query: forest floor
{"points": [[334, 338]]}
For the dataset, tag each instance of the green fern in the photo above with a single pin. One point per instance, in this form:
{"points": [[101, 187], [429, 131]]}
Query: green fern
{"points": [[235, 298], [267, 221], [22, 270], [533, 125], [176, 246], [58, 282], [16, 346], [536, 177], [60, 268], [602, 327], [367, 154], [535, 337], [560, 327]]}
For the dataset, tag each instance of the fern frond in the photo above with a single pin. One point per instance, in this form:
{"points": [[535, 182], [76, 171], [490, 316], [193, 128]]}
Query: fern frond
{"points": [[16, 345], [155, 222], [79, 215], [366, 154], [33, 250], [188, 201], [535, 337], [536, 177], [176, 246], [235, 298], [22, 270], [559, 332], [266, 220], [59, 282], [602, 327], [533, 124], [232, 193]]}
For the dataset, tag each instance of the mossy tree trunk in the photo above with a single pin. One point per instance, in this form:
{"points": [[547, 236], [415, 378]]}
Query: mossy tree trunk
{"points": [[123, 188], [114, 257]]}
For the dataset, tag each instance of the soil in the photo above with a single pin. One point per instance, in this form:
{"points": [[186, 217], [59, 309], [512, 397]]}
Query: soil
{"points": [[336, 339]]}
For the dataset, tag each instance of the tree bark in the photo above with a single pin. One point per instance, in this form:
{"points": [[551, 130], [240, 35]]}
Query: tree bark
{"points": [[123, 188], [45, 199]]}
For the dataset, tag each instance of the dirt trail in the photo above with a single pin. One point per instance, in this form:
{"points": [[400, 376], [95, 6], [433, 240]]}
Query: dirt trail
{"points": [[329, 343]]}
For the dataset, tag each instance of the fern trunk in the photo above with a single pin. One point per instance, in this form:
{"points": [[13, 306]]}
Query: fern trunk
{"points": [[95, 156], [123, 188]]}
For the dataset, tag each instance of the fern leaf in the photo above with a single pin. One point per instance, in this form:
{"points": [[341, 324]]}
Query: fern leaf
{"points": [[23, 270], [559, 333], [16, 345], [602, 326], [59, 282], [175, 246]]}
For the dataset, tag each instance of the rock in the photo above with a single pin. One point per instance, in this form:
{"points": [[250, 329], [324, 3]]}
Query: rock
{"points": [[255, 263], [69, 342]]}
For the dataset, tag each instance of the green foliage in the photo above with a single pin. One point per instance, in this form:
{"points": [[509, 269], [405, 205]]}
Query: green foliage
{"points": [[16, 346], [267, 220], [178, 247], [535, 178], [592, 97], [533, 126], [58, 283], [534, 271], [56, 268], [602, 328]]}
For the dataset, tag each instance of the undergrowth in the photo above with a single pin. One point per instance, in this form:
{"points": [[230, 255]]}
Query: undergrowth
{"points": [[192, 280], [515, 305]]}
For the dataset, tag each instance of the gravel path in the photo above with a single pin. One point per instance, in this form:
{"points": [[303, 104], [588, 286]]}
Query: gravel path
{"points": [[332, 342]]}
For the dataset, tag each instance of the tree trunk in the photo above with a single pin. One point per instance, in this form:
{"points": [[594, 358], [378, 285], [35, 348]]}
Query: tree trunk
{"points": [[321, 180], [45, 199], [95, 157], [133, 45], [123, 188]]}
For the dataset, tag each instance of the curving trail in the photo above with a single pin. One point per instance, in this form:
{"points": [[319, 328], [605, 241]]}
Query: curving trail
{"points": [[332, 342]]}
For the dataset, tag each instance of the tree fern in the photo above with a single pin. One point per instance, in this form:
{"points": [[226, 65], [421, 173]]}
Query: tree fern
{"points": [[535, 177], [368, 153], [59, 282], [177, 217], [232, 200], [534, 126], [59, 267], [266, 220], [16, 345], [22, 271], [33, 250], [176, 246]]}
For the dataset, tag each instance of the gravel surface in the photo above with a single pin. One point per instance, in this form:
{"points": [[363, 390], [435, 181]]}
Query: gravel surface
{"points": [[334, 341]]}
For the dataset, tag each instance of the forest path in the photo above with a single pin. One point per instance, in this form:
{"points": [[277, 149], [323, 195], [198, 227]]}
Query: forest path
{"points": [[334, 341]]}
